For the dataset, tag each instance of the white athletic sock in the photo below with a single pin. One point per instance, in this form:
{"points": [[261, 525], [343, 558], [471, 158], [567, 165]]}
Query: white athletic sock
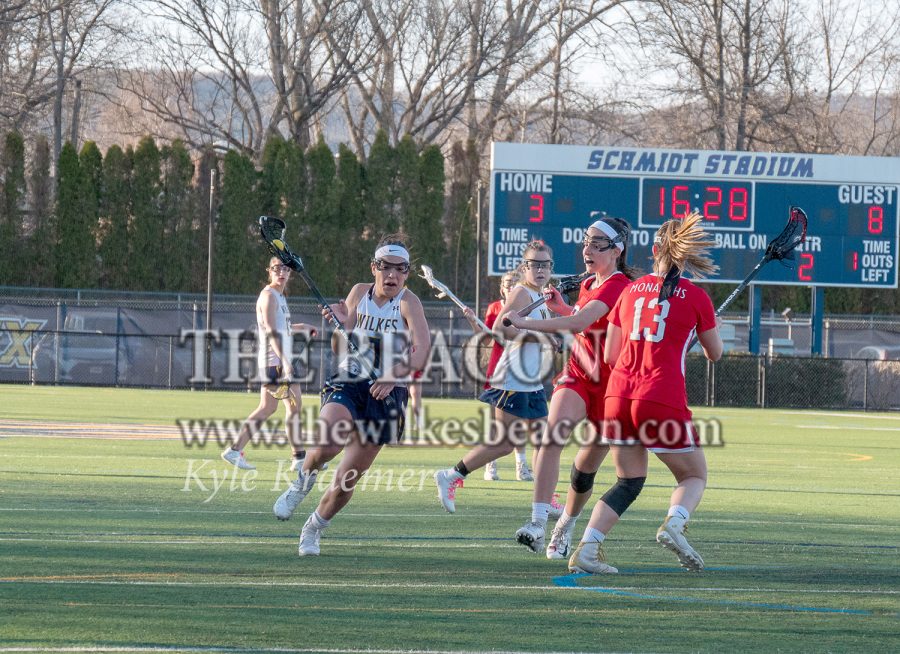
{"points": [[319, 521], [678, 511], [520, 456], [591, 535], [540, 511], [567, 522], [454, 474]]}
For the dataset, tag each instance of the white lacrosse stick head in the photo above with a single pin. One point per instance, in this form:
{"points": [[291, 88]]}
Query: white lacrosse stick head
{"points": [[428, 276]]}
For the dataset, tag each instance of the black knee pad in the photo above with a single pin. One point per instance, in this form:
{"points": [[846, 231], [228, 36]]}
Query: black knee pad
{"points": [[625, 491], [582, 482]]}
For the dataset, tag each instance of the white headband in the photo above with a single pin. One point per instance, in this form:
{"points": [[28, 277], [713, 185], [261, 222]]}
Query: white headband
{"points": [[392, 251], [607, 229]]}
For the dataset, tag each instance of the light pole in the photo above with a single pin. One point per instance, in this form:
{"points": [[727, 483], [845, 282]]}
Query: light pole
{"points": [[209, 269]]}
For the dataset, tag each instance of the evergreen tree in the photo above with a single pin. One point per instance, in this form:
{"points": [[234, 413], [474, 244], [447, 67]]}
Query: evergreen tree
{"points": [[322, 218], [430, 243], [239, 257], [13, 265], [292, 182], [146, 236], [91, 163], [461, 222], [177, 206], [355, 241], [269, 187], [42, 234], [381, 167], [114, 219], [75, 256]]}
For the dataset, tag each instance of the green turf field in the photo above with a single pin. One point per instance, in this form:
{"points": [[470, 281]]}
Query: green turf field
{"points": [[106, 544]]}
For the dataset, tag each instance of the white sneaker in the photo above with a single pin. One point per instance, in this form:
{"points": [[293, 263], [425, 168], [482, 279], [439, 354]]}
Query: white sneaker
{"points": [[531, 535], [447, 485], [490, 472], [236, 458], [589, 557], [309, 539], [523, 472], [290, 499], [556, 509], [671, 536], [560, 544]]}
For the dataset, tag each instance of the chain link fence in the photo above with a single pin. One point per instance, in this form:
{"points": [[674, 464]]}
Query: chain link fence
{"points": [[152, 341]]}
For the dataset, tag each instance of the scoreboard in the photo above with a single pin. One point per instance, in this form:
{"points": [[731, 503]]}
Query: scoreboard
{"points": [[554, 192]]}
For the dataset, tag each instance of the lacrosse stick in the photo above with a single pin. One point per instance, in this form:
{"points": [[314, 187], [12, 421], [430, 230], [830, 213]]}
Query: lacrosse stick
{"points": [[565, 285], [781, 248]]}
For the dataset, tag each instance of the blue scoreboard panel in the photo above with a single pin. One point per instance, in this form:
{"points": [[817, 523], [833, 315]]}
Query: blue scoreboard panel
{"points": [[554, 192]]}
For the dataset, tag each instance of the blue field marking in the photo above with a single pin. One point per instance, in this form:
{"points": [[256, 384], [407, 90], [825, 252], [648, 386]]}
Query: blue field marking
{"points": [[571, 581]]}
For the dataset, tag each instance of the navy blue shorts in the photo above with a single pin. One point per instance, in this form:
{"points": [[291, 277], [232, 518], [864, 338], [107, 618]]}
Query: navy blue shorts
{"points": [[273, 374], [379, 422], [528, 405]]}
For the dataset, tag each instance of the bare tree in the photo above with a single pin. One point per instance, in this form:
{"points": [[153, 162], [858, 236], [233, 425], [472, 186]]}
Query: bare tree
{"points": [[846, 75], [233, 71], [47, 45]]}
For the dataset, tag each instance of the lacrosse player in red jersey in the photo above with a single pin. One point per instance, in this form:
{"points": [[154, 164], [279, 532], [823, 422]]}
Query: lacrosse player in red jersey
{"points": [[650, 329], [360, 414], [578, 390], [274, 329]]}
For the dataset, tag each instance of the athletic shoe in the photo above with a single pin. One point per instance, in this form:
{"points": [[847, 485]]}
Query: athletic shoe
{"points": [[589, 557], [523, 472], [309, 539], [560, 544], [290, 499], [490, 472], [531, 535], [236, 458], [447, 485], [556, 509], [671, 536]]}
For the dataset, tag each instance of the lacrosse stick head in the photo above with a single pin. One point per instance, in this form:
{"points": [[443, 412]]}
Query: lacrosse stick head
{"points": [[272, 231], [794, 233], [571, 283], [428, 276]]}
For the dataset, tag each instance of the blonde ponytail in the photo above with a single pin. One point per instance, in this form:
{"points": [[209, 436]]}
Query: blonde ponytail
{"points": [[683, 244]]}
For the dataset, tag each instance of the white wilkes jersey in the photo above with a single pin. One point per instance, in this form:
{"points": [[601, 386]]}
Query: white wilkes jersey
{"points": [[519, 367], [374, 322], [266, 356]]}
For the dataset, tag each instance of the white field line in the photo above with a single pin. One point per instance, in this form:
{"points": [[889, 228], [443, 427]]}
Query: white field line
{"points": [[205, 540], [437, 586], [839, 415], [476, 516]]}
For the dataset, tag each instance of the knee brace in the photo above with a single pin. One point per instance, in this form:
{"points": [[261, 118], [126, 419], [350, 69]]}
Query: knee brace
{"points": [[625, 491], [582, 482]]}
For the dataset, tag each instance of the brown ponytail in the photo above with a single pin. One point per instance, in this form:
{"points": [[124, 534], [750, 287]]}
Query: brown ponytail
{"points": [[683, 244]]}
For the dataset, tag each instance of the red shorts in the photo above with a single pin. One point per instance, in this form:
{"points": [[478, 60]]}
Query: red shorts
{"points": [[591, 393], [658, 427]]}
